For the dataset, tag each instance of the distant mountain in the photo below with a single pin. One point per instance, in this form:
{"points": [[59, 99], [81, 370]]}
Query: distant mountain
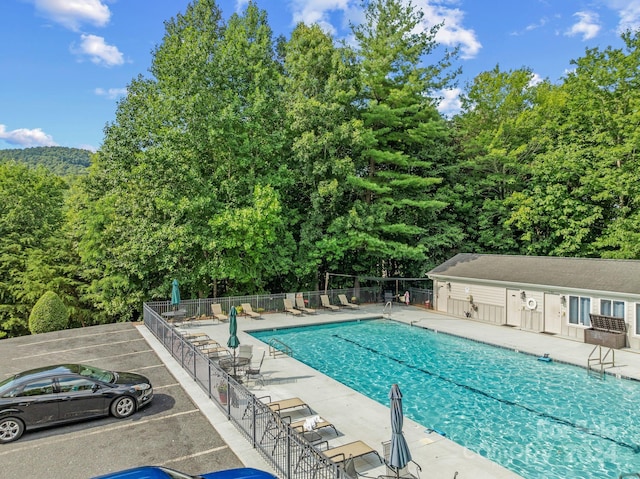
{"points": [[58, 159]]}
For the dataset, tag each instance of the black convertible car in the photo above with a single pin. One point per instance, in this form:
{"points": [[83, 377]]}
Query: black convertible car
{"points": [[67, 392]]}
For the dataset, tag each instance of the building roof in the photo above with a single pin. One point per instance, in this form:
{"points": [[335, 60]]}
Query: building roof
{"points": [[592, 274]]}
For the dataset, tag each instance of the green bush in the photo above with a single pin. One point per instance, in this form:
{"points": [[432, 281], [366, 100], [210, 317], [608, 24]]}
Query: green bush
{"points": [[48, 314]]}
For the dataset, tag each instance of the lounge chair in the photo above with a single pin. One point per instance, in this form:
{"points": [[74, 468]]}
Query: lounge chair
{"points": [[353, 450], [216, 310], [291, 403], [345, 302], [411, 471], [288, 308], [300, 305], [312, 424], [327, 304], [248, 310]]}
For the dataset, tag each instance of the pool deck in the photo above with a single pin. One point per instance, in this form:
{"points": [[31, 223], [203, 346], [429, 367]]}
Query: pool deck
{"points": [[359, 418]]}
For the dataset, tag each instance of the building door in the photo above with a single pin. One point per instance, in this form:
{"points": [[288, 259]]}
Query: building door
{"points": [[514, 307], [552, 314], [443, 296]]}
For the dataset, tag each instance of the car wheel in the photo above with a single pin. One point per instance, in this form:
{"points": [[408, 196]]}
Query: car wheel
{"points": [[10, 429], [124, 406]]}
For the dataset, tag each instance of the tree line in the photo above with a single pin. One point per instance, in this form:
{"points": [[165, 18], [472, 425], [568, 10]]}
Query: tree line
{"points": [[245, 163]]}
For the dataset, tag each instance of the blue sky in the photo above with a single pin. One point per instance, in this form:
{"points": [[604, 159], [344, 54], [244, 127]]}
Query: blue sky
{"points": [[65, 63]]}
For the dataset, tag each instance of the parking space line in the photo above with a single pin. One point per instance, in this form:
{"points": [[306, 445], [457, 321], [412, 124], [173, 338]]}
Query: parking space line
{"points": [[195, 454], [100, 358], [48, 353], [45, 341], [81, 434], [172, 385]]}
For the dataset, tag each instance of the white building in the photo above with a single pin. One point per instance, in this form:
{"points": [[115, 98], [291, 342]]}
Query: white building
{"points": [[550, 295]]}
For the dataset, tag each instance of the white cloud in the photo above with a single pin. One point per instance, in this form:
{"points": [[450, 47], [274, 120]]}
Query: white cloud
{"points": [[317, 11], [73, 13], [26, 138], [98, 51], [588, 25], [535, 79], [111, 93], [629, 13], [452, 33], [450, 101]]}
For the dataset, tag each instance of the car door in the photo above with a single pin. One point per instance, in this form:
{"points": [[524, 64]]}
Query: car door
{"points": [[37, 402], [80, 397]]}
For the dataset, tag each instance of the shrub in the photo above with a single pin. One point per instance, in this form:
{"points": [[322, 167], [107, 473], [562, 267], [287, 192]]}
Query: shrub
{"points": [[48, 314]]}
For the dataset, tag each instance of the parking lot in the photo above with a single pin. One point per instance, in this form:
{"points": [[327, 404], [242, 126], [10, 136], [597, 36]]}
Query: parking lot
{"points": [[171, 431]]}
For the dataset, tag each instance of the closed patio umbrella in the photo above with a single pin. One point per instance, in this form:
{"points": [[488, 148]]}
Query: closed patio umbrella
{"points": [[175, 294], [233, 341], [399, 454]]}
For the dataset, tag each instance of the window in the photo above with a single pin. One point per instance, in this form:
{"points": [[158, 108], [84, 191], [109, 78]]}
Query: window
{"points": [[612, 308], [579, 309], [38, 388], [68, 384]]}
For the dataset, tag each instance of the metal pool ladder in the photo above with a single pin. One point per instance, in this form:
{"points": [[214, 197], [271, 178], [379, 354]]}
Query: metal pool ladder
{"points": [[384, 310], [274, 350], [600, 360]]}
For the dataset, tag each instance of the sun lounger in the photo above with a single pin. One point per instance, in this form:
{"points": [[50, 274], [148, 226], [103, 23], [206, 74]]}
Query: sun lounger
{"points": [[277, 406], [288, 308], [312, 424], [248, 310], [327, 304], [301, 306], [216, 310], [345, 302], [353, 450]]}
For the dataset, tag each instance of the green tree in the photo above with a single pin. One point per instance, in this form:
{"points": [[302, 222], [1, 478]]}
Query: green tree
{"points": [[31, 215], [48, 314], [321, 86], [495, 145], [582, 195], [395, 225]]}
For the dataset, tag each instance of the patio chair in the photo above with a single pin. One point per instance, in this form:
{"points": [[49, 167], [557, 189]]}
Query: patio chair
{"points": [[216, 310], [345, 302], [288, 308], [248, 310], [324, 299], [284, 404], [410, 471], [353, 450], [312, 424], [253, 372], [245, 351], [301, 306]]}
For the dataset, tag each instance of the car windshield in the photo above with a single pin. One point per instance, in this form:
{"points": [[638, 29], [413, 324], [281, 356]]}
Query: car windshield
{"points": [[94, 373], [6, 384]]}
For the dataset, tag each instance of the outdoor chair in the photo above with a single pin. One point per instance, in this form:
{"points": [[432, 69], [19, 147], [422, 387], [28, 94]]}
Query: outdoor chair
{"points": [[288, 308], [284, 404], [352, 450], [324, 299], [248, 310], [345, 302], [253, 372], [216, 310], [301, 306], [410, 471], [245, 351], [311, 424]]}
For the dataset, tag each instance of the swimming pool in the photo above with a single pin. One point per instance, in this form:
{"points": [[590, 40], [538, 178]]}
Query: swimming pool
{"points": [[541, 420]]}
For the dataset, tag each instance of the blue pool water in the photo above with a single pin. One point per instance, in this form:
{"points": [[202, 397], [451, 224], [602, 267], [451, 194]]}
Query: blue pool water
{"points": [[542, 420]]}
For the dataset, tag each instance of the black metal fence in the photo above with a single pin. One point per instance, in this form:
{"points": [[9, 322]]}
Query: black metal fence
{"points": [[290, 454]]}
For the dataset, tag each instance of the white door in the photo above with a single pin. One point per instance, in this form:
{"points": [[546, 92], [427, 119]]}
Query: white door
{"points": [[442, 296], [514, 307], [552, 314]]}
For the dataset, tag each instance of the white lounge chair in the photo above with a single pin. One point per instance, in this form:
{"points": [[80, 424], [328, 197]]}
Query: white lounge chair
{"points": [[345, 302]]}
